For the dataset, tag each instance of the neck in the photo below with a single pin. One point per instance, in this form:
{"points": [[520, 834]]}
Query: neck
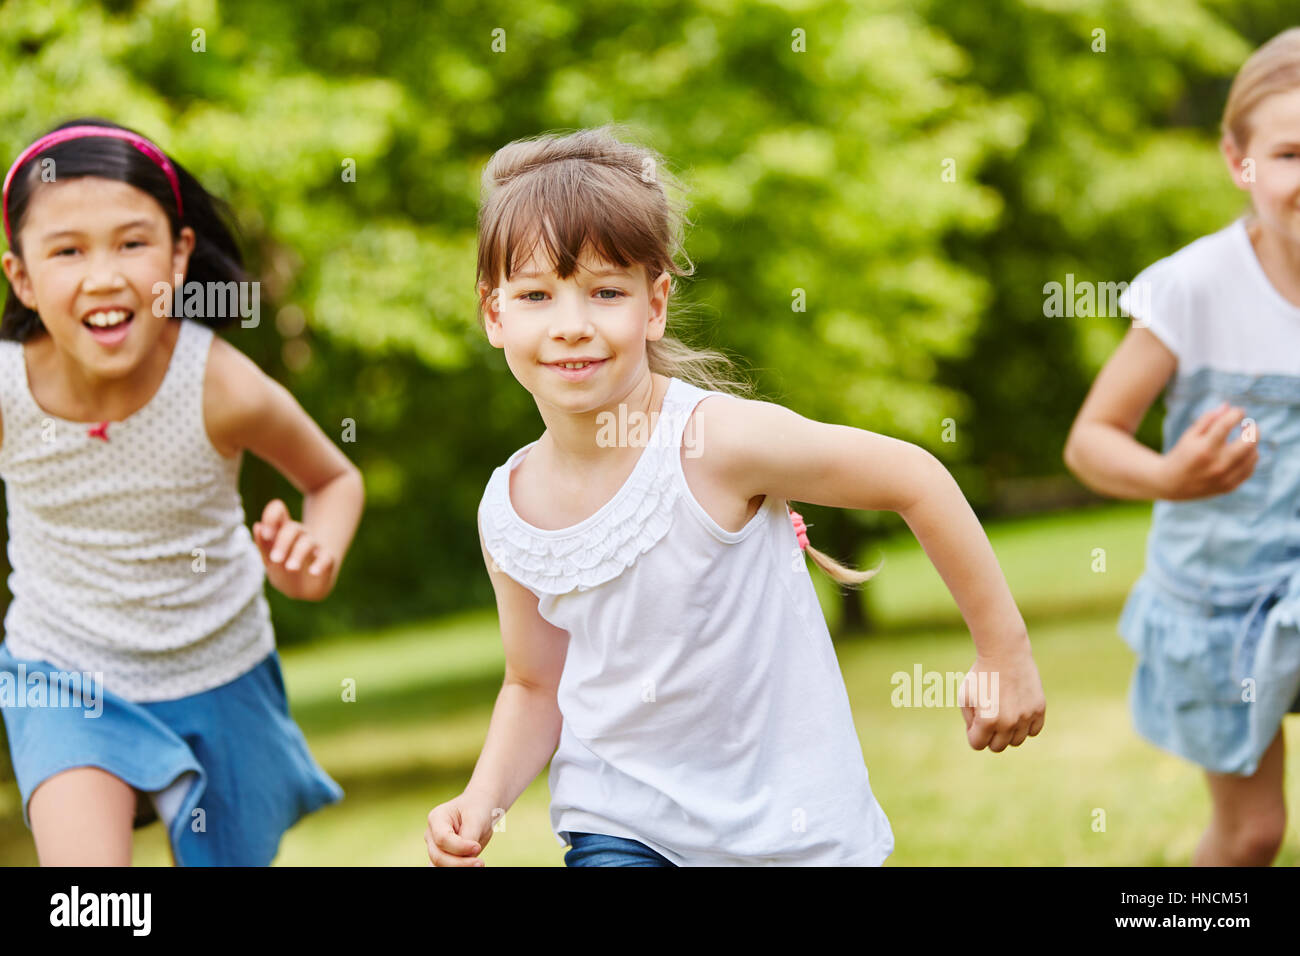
{"points": [[579, 440], [1279, 256], [92, 396]]}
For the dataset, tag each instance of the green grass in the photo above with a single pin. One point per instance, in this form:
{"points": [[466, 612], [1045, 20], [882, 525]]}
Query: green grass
{"points": [[424, 694]]}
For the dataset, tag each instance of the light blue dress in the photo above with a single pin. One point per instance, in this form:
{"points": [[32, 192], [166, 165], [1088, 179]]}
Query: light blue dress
{"points": [[1213, 618]]}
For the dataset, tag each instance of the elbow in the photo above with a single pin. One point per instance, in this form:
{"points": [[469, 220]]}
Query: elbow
{"points": [[1075, 460], [360, 482], [927, 476], [1068, 455]]}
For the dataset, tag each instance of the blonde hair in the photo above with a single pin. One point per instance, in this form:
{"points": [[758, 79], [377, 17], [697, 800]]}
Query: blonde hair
{"points": [[593, 188], [1273, 68]]}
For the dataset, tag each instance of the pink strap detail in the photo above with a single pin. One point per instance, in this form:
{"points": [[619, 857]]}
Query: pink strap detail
{"points": [[800, 529], [76, 132]]}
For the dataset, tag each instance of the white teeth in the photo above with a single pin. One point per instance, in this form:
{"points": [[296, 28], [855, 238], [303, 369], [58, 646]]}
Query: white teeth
{"points": [[576, 364], [105, 319]]}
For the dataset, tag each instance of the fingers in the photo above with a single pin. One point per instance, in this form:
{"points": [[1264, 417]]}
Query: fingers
{"points": [[997, 739], [440, 857], [447, 847], [1242, 467], [1224, 423], [284, 540], [1203, 423], [324, 563], [303, 548], [274, 515]]}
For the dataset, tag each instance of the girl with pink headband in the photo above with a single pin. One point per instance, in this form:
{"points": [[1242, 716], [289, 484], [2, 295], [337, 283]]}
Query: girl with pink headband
{"points": [[665, 650], [135, 581]]}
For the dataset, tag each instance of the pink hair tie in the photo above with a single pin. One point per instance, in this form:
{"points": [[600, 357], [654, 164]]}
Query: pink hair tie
{"points": [[77, 132], [800, 529]]}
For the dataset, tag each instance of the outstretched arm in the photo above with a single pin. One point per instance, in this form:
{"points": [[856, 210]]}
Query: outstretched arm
{"points": [[764, 448], [246, 409]]}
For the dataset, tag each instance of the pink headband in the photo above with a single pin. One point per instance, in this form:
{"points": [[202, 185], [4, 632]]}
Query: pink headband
{"points": [[76, 132]]}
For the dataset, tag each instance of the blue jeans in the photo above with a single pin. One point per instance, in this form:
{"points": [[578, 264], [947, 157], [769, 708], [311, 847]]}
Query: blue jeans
{"points": [[597, 849]]}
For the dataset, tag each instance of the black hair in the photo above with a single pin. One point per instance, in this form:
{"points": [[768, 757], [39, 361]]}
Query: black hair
{"points": [[215, 258]]}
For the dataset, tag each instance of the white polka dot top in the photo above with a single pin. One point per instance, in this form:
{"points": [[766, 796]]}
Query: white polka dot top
{"points": [[127, 539]]}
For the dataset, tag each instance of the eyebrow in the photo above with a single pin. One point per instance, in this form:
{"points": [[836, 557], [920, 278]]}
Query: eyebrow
{"points": [[595, 275], [77, 232]]}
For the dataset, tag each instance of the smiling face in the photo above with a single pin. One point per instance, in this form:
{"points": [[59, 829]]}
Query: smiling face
{"points": [[600, 317], [92, 251], [1274, 147]]}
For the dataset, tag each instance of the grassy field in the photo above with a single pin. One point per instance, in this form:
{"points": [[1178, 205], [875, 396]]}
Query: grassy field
{"points": [[424, 694]]}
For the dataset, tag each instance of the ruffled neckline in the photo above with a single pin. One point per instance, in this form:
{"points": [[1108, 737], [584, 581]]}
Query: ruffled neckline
{"points": [[601, 546]]}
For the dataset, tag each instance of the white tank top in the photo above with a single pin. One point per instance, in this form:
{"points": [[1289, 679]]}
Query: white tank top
{"points": [[705, 713], [129, 552]]}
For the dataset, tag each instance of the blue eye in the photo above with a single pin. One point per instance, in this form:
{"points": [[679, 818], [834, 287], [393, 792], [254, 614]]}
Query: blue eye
{"points": [[527, 294], [617, 292]]}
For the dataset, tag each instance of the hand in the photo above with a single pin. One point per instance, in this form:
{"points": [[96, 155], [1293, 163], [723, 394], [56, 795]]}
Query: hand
{"points": [[286, 546], [457, 831], [1202, 464], [1002, 701]]}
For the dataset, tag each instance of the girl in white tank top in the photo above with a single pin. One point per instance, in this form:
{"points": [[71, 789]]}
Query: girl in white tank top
{"points": [[665, 649]]}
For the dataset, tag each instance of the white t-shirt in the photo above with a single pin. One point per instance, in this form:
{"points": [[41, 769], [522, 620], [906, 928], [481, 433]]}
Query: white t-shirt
{"points": [[705, 714], [1212, 305]]}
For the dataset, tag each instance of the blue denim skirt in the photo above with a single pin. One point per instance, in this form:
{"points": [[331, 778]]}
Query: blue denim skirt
{"points": [[227, 770], [598, 849], [1187, 697]]}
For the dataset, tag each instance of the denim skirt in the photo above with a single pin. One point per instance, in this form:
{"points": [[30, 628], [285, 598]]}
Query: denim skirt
{"points": [[227, 771], [1188, 690]]}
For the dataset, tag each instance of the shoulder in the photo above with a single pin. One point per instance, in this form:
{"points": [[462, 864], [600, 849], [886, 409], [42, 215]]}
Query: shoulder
{"points": [[236, 395], [1206, 262], [731, 420], [729, 435]]}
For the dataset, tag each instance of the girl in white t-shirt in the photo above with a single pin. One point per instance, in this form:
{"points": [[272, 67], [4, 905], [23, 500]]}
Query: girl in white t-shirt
{"points": [[665, 650], [1213, 619]]}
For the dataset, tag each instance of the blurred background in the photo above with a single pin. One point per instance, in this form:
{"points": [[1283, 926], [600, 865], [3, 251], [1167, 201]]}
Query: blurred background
{"points": [[920, 170]]}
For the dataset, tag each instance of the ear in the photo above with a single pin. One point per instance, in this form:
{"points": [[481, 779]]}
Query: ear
{"points": [[490, 305], [181, 251], [18, 278], [1232, 155], [659, 293]]}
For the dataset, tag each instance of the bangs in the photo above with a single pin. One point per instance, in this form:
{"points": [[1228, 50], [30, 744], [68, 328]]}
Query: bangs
{"points": [[561, 210]]}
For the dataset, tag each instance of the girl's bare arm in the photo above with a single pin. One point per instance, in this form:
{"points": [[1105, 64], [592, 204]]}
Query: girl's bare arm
{"points": [[1101, 450], [1104, 455], [760, 448], [525, 728], [244, 408]]}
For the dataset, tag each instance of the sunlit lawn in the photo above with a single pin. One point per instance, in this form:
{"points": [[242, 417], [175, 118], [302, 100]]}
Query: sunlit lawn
{"points": [[424, 694]]}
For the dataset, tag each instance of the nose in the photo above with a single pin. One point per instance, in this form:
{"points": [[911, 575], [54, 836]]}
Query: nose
{"points": [[569, 321], [103, 274]]}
